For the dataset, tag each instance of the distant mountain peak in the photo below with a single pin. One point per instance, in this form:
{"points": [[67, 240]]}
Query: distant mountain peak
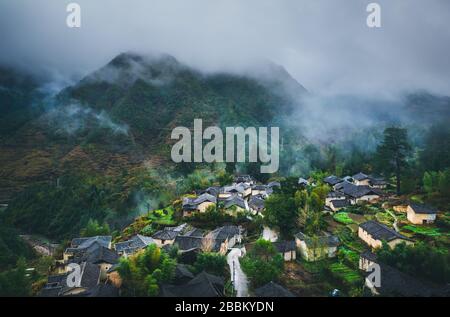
{"points": [[126, 68], [127, 59]]}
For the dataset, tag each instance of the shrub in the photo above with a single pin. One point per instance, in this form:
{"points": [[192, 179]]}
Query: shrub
{"points": [[214, 263], [342, 217], [262, 263]]}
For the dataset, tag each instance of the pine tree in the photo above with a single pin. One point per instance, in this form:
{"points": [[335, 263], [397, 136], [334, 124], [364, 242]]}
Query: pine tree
{"points": [[393, 152]]}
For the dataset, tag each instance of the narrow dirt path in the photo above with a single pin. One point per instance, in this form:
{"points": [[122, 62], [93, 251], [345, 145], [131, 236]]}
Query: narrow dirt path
{"points": [[40, 247], [269, 234], [395, 220], [238, 277]]}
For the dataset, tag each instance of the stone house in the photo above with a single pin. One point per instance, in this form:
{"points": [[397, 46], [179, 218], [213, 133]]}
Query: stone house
{"points": [[316, 248], [374, 233], [421, 214]]}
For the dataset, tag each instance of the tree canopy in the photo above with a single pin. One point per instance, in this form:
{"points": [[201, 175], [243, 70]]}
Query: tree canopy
{"points": [[393, 152], [142, 273], [421, 260], [262, 263]]}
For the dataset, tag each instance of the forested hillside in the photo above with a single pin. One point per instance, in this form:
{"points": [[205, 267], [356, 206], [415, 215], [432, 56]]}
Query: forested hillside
{"points": [[100, 149]]}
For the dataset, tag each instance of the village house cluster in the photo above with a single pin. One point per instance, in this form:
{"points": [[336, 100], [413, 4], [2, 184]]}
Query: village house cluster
{"points": [[362, 188], [98, 257], [241, 196], [348, 190]]}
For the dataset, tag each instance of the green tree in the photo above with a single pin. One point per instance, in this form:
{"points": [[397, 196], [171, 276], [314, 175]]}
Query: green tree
{"points": [[310, 206], [93, 228], [393, 152], [211, 262], [444, 183], [421, 260], [224, 178], [321, 191], [15, 282], [151, 284], [314, 223], [318, 176], [436, 153], [143, 272], [288, 186], [437, 186], [280, 211], [12, 247], [429, 182], [315, 203], [301, 198], [262, 263]]}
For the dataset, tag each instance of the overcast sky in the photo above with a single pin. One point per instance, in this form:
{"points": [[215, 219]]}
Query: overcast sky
{"points": [[324, 44]]}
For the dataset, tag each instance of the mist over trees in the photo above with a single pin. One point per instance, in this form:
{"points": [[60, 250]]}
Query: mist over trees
{"points": [[392, 154], [94, 181]]}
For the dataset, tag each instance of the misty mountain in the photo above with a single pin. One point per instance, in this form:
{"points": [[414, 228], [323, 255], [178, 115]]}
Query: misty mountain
{"points": [[428, 108], [122, 115], [115, 123], [19, 95], [152, 95]]}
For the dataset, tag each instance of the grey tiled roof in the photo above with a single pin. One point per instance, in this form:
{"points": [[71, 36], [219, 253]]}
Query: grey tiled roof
{"points": [[235, 201], [256, 203], [379, 231], [358, 191], [96, 254], [369, 256], [374, 180], [90, 275], [189, 204], [236, 188], [195, 232], [259, 187], [57, 284], [243, 178], [332, 180], [213, 190], [396, 283], [340, 203], [205, 197], [272, 289], [302, 181], [104, 290], [87, 242], [202, 285], [322, 240], [360, 176], [165, 234], [422, 209], [334, 194], [188, 243], [225, 232], [274, 184], [50, 291], [181, 271], [170, 233], [137, 242], [285, 246]]}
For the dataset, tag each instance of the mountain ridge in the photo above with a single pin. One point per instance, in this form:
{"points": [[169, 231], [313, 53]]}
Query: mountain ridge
{"points": [[124, 112], [121, 115]]}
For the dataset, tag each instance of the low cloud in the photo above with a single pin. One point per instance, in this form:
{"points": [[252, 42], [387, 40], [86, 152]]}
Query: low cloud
{"points": [[74, 118], [325, 45]]}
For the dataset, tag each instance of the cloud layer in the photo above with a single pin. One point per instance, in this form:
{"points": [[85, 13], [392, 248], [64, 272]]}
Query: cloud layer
{"points": [[325, 45]]}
